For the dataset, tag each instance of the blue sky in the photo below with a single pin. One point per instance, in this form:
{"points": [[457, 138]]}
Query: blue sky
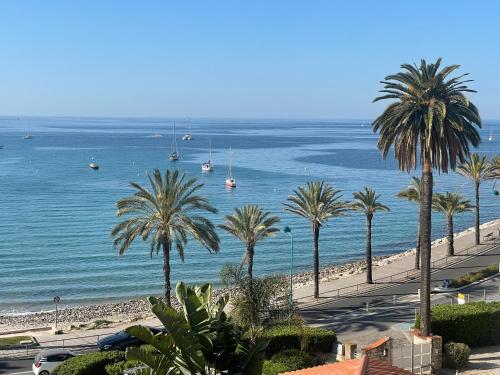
{"points": [[263, 59]]}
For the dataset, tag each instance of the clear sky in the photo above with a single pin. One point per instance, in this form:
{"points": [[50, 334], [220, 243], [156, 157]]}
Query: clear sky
{"points": [[217, 58]]}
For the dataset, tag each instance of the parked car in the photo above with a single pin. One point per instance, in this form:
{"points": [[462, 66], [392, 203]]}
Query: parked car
{"points": [[48, 359], [121, 340]]}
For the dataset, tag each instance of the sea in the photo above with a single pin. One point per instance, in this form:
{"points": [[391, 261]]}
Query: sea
{"points": [[56, 213]]}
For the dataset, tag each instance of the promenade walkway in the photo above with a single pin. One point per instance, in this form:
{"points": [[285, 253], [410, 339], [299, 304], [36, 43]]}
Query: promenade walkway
{"points": [[398, 270]]}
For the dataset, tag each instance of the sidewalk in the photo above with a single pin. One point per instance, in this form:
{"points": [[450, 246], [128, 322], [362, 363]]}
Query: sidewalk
{"points": [[384, 271]]}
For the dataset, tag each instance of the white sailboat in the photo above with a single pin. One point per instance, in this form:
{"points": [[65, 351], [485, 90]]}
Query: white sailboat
{"points": [[188, 136], [208, 166], [28, 136], [174, 155], [230, 181], [491, 138]]}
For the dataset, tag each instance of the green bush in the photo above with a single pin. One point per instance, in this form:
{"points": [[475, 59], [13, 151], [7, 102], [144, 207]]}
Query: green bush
{"points": [[475, 324], [272, 368], [474, 276], [456, 355], [293, 359], [89, 364], [308, 339], [119, 367]]}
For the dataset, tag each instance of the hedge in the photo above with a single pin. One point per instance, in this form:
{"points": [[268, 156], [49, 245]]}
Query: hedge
{"points": [[474, 276], [309, 339], [294, 359], [475, 324], [89, 364], [272, 368]]}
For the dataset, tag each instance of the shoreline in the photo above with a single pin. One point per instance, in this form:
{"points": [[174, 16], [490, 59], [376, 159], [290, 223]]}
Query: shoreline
{"points": [[83, 317]]}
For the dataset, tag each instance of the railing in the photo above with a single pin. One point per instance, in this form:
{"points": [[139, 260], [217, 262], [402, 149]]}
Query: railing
{"points": [[403, 275]]}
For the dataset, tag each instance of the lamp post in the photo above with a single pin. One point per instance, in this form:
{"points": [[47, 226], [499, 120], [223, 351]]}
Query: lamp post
{"points": [[288, 231]]}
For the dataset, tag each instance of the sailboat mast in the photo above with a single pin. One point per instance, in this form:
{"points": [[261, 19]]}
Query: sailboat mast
{"points": [[209, 148], [230, 174]]}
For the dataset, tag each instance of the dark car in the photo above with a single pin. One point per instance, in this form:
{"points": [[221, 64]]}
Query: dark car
{"points": [[121, 340]]}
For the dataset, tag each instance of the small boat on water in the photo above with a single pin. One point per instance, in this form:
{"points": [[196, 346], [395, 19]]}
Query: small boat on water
{"points": [[230, 181], [491, 138], [188, 136], [28, 136], [157, 135], [93, 166], [174, 155], [208, 166]]}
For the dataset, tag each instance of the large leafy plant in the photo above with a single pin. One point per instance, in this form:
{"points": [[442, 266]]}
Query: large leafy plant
{"points": [[199, 339]]}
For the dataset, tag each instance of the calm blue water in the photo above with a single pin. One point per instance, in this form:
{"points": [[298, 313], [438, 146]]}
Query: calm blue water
{"points": [[56, 214]]}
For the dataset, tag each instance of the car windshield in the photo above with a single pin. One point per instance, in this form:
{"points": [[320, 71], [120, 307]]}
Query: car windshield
{"points": [[122, 334]]}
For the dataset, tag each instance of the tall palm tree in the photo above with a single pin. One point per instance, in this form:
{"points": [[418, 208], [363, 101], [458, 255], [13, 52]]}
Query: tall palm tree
{"points": [[478, 169], [250, 224], [450, 204], [367, 202], [431, 121], [414, 193], [317, 202], [495, 165], [167, 215]]}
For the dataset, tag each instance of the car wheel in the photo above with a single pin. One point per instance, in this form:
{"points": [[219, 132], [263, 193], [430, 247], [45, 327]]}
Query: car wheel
{"points": [[43, 373], [117, 348]]}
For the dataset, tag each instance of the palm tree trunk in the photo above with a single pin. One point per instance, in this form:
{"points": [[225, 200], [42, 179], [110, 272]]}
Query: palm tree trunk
{"points": [[316, 259], [476, 188], [417, 249], [425, 247], [449, 226], [250, 252], [166, 270], [369, 279]]}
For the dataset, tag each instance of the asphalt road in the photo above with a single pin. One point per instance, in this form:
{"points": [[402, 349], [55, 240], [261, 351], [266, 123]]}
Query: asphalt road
{"points": [[348, 316]]}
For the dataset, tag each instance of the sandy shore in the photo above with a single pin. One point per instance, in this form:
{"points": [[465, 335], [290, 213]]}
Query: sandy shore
{"points": [[83, 317]]}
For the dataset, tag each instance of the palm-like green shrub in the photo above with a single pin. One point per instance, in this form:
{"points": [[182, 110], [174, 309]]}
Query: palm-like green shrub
{"points": [[200, 339]]}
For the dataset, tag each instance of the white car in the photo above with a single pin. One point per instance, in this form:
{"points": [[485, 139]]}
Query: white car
{"points": [[47, 360]]}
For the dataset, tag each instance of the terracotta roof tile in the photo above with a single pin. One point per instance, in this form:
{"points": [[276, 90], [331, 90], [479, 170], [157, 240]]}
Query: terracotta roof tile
{"points": [[377, 343], [361, 366]]}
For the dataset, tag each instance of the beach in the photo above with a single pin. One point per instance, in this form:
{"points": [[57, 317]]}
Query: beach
{"points": [[78, 318]]}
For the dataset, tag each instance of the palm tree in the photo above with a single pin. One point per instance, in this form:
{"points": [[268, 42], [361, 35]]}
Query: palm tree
{"points": [[167, 215], [450, 204], [414, 193], [431, 121], [478, 169], [317, 202], [367, 201], [250, 225], [495, 165]]}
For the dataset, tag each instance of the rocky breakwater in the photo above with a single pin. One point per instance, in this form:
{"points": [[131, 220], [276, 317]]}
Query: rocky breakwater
{"points": [[118, 312]]}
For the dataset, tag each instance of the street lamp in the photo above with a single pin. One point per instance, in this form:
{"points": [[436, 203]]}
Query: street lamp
{"points": [[288, 231]]}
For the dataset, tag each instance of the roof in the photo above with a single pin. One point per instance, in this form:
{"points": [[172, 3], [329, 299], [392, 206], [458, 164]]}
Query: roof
{"points": [[377, 343], [360, 366]]}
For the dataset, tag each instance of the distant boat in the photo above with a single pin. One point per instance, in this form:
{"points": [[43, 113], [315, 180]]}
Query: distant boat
{"points": [[93, 166], [208, 166], [230, 181], [174, 155], [188, 136], [28, 136], [491, 138], [157, 135]]}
